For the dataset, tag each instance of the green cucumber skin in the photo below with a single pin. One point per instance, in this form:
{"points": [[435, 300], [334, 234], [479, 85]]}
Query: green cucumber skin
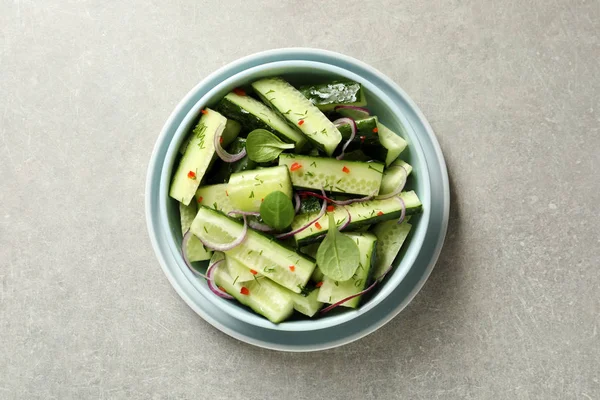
{"points": [[327, 96], [251, 122], [310, 204], [365, 139], [222, 170]]}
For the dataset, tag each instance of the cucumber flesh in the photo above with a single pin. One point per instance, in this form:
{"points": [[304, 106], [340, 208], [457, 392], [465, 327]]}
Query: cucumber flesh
{"points": [[300, 112], [259, 252], [231, 131], [392, 142], [333, 291], [329, 95], [247, 189], [194, 250], [391, 236], [254, 115], [197, 158], [307, 304], [240, 272], [215, 197], [341, 176], [364, 213], [263, 296], [394, 176]]}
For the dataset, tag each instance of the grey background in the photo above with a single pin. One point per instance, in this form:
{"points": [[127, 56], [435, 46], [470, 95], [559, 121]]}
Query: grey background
{"points": [[512, 89]]}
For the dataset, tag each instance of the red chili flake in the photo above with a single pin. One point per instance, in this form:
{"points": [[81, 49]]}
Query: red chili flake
{"points": [[221, 139], [204, 112], [192, 175], [239, 91], [330, 208], [261, 200], [300, 122], [292, 268], [362, 139], [380, 213], [226, 193], [375, 130], [253, 272], [222, 289], [319, 284], [200, 199], [244, 291], [317, 225], [295, 166], [345, 169]]}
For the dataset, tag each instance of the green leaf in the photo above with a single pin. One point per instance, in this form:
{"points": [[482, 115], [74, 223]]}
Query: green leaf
{"points": [[338, 256], [263, 146], [277, 210]]}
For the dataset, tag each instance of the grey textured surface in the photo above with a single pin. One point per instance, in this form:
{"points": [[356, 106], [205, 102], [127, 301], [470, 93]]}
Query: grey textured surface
{"points": [[512, 90]]}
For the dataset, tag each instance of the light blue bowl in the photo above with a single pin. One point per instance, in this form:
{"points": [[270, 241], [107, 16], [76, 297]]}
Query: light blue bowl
{"points": [[393, 108]]}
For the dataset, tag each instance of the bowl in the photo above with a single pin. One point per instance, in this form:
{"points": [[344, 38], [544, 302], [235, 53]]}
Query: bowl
{"points": [[162, 211]]}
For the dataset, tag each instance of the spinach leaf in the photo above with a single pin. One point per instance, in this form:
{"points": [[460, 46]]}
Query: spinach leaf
{"points": [[338, 256], [263, 146], [277, 210]]}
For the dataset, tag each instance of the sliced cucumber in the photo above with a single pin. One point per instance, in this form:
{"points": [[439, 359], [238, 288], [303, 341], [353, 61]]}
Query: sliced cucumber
{"points": [[231, 131], [307, 303], [350, 177], [254, 115], [194, 250], [264, 297], [215, 197], [329, 95], [394, 176], [222, 170], [247, 189], [197, 158], [366, 138], [392, 142], [391, 236], [257, 251], [240, 272], [333, 291], [310, 204], [364, 213], [300, 112]]}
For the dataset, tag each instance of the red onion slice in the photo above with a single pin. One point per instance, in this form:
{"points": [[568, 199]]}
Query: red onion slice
{"points": [[292, 233], [259, 226], [229, 246], [403, 213], [353, 128], [358, 111], [297, 201], [398, 190], [337, 202], [339, 303], [210, 272], [347, 222], [247, 213], [223, 154], [186, 238]]}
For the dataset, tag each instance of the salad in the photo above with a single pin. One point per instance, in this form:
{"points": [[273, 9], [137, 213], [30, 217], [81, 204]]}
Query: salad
{"points": [[295, 195]]}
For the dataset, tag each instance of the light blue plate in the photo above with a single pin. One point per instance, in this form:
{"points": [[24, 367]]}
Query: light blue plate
{"points": [[394, 108]]}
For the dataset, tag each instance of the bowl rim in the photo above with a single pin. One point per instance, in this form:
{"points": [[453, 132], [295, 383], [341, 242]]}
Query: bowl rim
{"points": [[234, 309], [417, 278]]}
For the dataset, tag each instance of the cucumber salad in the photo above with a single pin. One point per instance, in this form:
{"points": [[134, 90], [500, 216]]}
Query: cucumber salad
{"points": [[295, 195]]}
